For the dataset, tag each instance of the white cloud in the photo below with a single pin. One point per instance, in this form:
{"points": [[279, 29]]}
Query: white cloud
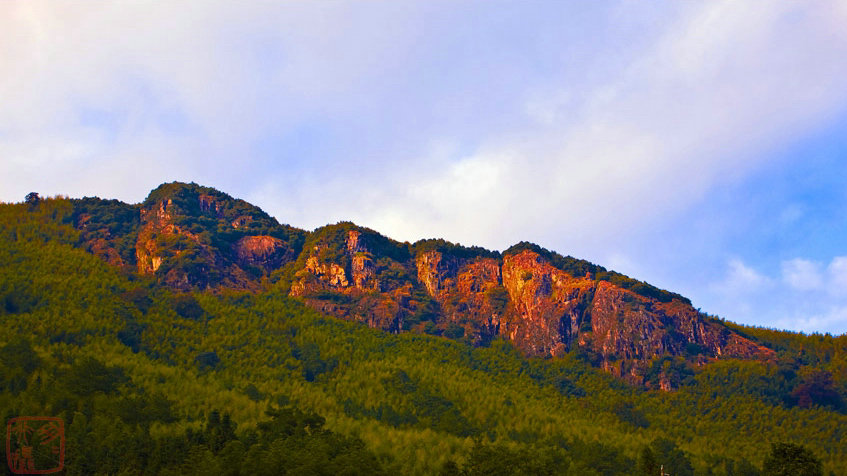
{"points": [[832, 319], [808, 276], [735, 295], [837, 275], [796, 301], [742, 279], [802, 274], [225, 73]]}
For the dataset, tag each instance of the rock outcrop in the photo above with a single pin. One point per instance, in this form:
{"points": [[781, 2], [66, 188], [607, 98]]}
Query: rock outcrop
{"points": [[263, 251], [179, 256], [189, 237], [549, 306], [464, 288], [339, 275], [524, 295]]}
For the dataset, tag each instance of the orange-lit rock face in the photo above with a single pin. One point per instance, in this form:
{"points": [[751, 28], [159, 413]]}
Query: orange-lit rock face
{"points": [[322, 274], [350, 277], [266, 252], [463, 289], [543, 310], [328, 274], [549, 305], [477, 283], [362, 268], [183, 256], [154, 222], [209, 204], [436, 273], [160, 240], [629, 326], [554, 312]]}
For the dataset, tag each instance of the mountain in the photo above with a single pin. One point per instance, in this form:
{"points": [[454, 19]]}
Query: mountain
{"points": [[225, 359], [191, 238]]}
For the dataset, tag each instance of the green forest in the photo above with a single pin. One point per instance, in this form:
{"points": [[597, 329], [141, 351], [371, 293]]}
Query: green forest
{"points": [[148, 380]]}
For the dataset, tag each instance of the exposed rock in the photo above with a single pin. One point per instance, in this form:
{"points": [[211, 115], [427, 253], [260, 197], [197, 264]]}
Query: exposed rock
{"points": [[362, 266], [180, 239], [549, 305], [342, 279], [629, 326], [522, 296], [330, 273], [460, 286], [478, 283], [209, 204], [155, 221], [264, 251], [161, 241], [241, 221], [437, 273]]}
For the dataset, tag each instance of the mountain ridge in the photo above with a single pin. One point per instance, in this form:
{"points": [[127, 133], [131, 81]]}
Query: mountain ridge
{"points": [[196, 238]]}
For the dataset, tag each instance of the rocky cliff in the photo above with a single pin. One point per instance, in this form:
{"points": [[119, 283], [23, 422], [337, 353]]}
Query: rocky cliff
{"points": [[196, 238], [547, 305]]}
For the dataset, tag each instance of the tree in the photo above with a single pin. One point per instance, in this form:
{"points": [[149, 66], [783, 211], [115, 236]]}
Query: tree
{"points": [[788, 459], [671, 457], [219, 431], [647, 464], [187, 306], [89, 376], [32, 198], [206, 360], [817, 389]]}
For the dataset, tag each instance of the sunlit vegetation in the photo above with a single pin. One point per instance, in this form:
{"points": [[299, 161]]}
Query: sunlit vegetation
{"points": [[151, 381]]}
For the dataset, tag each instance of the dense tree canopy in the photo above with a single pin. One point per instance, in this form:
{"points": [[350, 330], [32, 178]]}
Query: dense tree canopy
{"points": [[788, 459]]}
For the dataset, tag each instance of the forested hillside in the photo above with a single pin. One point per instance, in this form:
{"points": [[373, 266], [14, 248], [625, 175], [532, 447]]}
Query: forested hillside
{"points": [[153, 375]]}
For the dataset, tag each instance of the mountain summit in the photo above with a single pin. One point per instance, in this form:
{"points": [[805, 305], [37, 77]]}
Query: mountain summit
{"points": [[195, 238]]}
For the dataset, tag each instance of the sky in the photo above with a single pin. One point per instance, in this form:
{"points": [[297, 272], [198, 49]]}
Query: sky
{"points": [[699, 146]]}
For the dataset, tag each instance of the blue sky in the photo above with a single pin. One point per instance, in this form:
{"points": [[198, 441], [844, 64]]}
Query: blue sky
{"points": [[699, 146]]}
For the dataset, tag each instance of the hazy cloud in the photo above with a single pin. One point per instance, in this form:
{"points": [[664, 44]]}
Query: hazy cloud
{"points": [[802, 274], [742, 279], [837, 271], [807, 296], [832, 319]]}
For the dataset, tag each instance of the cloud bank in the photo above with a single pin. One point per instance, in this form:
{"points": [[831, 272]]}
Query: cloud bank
{"points": [[805, 294]]}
